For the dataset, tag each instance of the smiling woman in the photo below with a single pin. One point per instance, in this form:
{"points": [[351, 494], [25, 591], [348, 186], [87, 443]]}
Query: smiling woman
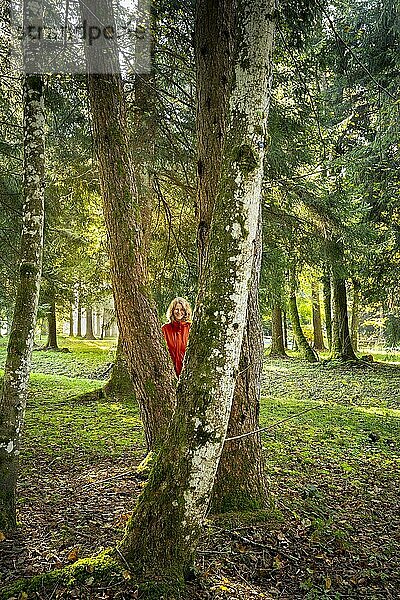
{"points": [[176, 332]]}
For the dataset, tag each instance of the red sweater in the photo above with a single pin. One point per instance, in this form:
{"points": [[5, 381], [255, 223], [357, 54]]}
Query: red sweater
{"points": [[176, 335]]}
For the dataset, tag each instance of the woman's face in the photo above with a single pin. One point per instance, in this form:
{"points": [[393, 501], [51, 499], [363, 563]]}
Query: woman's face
{"points": [[179, 312]]}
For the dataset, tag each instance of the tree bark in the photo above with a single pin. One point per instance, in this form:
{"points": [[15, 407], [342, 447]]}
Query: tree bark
{"points": [[327, 295], [277, 343], [239, 483], [302, 344], [341, 340], [71, 321], [355, 314], [148, 363], [79, 319], [162, 535], [89, 335], [316, 316], [51, 323], [119, 384], [16, 373]]}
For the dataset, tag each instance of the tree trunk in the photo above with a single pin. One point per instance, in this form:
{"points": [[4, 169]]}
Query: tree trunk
{"points": [[239, 483], [327, 294], [162, 535], [52, 324], [302, 344], [316, 316], [119, 384], [89, 335], [71, 321], [16, 373], [79, 320], [148, 363], [285, 330], [277, 343], [355, 314], [341, 341]]}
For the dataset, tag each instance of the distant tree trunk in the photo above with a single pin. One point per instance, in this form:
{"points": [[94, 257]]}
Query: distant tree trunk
{"points": [[148, 363], [240, 482], [79, 320], [355, 314], [316, 316], [327, 295], [341, 341], [51, 323], [163, 533], [71, 321], [277, 344], [16, 373], [285, 330], [302, 344], [89, 335]]}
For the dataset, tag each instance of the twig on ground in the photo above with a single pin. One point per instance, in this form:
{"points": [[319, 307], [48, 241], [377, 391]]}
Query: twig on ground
{"points": [[237, 437]]}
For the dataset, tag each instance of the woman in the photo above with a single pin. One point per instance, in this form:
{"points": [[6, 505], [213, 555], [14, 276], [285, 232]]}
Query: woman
{"points": [[176, 332]]}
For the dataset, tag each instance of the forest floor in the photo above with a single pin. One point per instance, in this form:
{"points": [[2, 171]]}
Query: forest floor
{"points": [[333, 529]]}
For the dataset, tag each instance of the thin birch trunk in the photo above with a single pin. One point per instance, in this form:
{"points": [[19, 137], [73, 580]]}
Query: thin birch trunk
{"points": [[17, 368]]}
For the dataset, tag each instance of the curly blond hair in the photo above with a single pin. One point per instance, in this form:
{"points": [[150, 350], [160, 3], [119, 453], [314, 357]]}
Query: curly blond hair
{"points": [[185, 306]]}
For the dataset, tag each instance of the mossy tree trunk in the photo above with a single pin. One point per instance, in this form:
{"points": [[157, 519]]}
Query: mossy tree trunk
{"points": [[120, 383], [355, 314], [17, 367], [162, 535], [316, 316], [149, 366], [301, 341], [277, 343], [239, 483], [327, 296]]}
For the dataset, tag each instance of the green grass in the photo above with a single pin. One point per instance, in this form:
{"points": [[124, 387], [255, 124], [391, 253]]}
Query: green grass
{"points": [[85, 359], [333, 472]]}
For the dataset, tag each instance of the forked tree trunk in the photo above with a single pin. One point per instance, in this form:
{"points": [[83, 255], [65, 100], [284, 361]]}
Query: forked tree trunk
{"points": [[285, 330], [149, 366], [16, 373], [355, 314], [239, 483], [163, 533], [301, 341], [316, 316], [327, 295], [277, 342]]}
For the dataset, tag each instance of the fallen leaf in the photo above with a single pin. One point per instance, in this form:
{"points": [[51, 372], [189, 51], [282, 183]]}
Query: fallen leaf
{"points": [[73, 555], [2, 536], [328, 583]]}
